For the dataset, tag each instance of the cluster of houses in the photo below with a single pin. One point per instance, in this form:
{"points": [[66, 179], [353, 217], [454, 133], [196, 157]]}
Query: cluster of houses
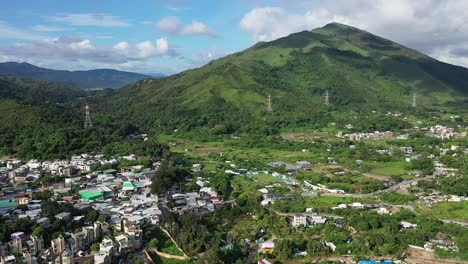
{"points": [[322, 188], [300, 165], [444, 132], [204, 201], [438, 131], [436, 197], [372, 135], [17, 171], [123, 194], [444, 244], [113, 239]]}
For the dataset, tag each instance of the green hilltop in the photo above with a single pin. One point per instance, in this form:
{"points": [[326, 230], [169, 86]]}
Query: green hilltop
{"points": [[361, 71]]}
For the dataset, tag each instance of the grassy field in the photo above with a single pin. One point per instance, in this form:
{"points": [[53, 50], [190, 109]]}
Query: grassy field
{"points": [[449, 210], [165, 243], [244, 184], [265, 178], [209, 166], [391, 169]]}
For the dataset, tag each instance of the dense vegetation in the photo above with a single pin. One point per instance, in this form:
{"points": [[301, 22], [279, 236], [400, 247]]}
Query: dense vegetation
{"points": [[45, 120]]}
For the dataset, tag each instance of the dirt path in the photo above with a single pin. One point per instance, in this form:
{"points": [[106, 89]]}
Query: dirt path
{"points": [[165, 255], [417, 256], [173, 241], [376, 176]]}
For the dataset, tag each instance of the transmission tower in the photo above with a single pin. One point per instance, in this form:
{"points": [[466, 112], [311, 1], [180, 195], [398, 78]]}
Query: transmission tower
{"points": [[269, 108], [327, 98], [414, 99], [87, 123]]}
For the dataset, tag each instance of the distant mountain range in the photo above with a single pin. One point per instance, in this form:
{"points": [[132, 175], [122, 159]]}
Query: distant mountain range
{"points": [[92, 79]]}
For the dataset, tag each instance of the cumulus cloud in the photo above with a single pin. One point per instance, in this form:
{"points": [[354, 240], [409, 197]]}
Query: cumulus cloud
{"points": [[72, 49], [148, 49], [268, 23], [431, 26], [90, 19], [173, 25]]}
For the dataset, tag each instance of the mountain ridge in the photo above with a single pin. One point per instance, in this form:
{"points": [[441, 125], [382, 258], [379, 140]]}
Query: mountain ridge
{"points": [[85, 79], [362, 72]]}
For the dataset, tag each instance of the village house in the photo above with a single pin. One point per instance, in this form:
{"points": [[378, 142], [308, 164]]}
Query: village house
{"points": [[299, 220]]}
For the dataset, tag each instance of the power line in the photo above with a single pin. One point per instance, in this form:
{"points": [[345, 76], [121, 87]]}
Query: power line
{"points": [[269, 107], [87, 123], [327, 98]]}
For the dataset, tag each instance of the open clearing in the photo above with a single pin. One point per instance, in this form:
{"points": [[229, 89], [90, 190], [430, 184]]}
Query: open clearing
{"points": [[449, 210], [423, 257]]}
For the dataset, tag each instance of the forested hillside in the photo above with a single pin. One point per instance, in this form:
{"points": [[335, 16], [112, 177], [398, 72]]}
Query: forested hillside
{"points": [[41, 119], [362, 73]]}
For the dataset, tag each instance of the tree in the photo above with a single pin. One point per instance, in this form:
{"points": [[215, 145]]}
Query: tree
{"points": [[423, 164], [315, 247], [38, 231], [92, 215], [95, 247], [211, 256], [284, 249], [153, 243], [103, 217]]}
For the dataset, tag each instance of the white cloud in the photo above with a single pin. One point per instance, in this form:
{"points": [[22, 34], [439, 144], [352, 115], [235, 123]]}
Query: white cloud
{"points": [[69, 49], [149, 49], [196, 28], [90, 19], [122, 46], [48, 28], [431, 26], [10, 32], [173, 25], [170, 25]]}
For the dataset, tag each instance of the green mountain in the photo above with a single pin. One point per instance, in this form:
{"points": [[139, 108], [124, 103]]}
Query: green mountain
{"points": [[361, 71], [40, 119], [37, 91], [92, 79]]}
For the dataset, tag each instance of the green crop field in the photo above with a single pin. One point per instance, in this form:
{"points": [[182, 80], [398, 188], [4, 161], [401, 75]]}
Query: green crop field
{"points": [[449, 210], [391, 169]]}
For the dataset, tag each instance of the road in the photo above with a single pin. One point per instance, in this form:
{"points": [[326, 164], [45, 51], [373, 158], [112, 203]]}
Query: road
{"points": [[306, 214], [458, 222]]}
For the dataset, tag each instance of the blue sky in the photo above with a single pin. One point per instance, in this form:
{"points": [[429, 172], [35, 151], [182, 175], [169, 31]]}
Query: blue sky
{"points": [[168, 36]]}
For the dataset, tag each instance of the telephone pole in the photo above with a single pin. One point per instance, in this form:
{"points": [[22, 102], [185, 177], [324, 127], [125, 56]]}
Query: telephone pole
{"points": [[414, 100], [87, 123]]}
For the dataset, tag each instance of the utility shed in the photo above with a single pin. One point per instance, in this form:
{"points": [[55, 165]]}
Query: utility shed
{"points": [[91, 195]]}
